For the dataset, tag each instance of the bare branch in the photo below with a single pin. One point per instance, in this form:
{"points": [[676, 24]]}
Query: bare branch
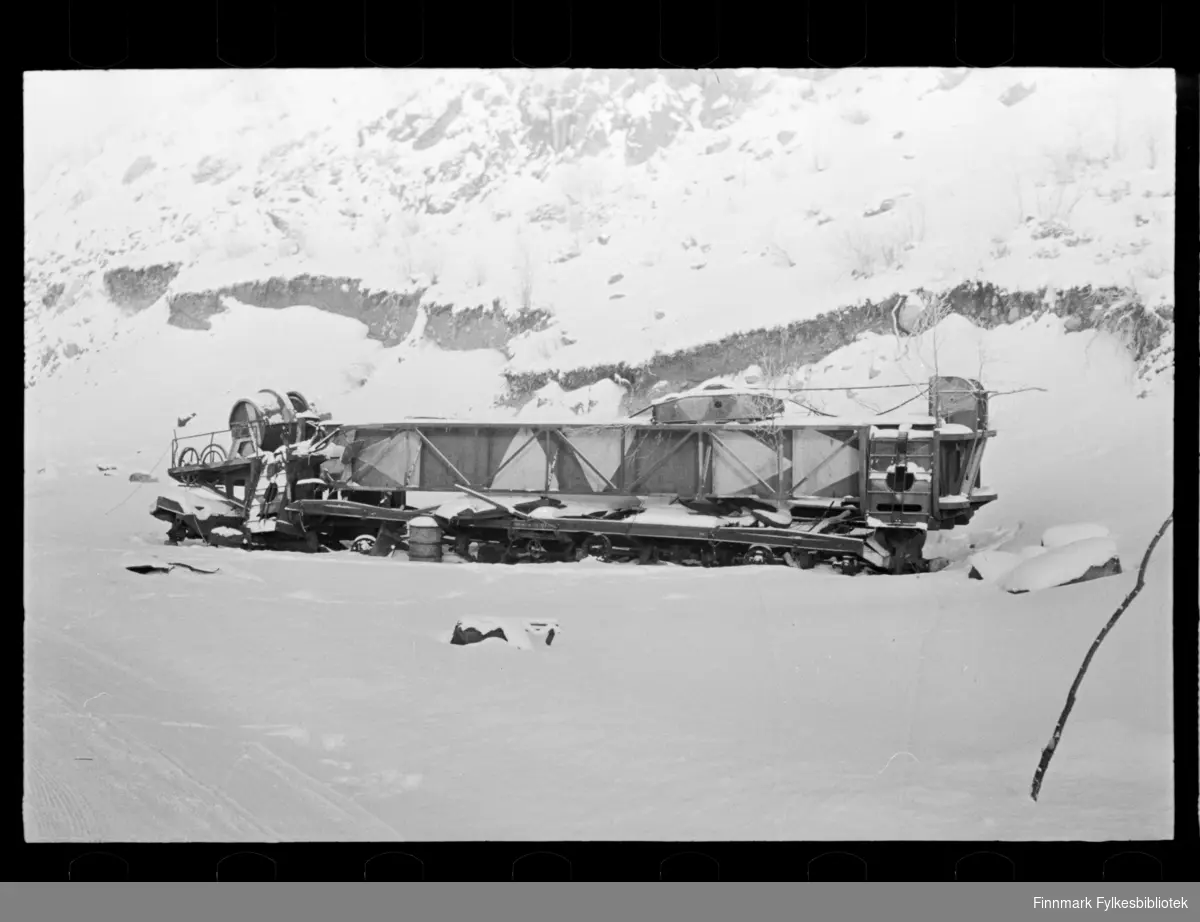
{"points": [[1019, 390], [1048, 753]]}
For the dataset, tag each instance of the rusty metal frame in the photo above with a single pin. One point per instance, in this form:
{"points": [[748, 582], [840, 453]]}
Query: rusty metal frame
{"points": [[579, 455], [935, 478], [863, 439], [974, 462], [441, 457], [707, 476], [645, 475], [864, 470], [718, 441], [781, 493], [507, 461]]}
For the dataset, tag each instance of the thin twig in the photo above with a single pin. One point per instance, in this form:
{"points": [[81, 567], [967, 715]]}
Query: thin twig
{"points": [[1048, 752], [1019, 390], [905, 403], [798, 390], [140, 485]]}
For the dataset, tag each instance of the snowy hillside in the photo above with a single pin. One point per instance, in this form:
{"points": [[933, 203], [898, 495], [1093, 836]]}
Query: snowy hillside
{"points": [[549, 244], [623, 214]]}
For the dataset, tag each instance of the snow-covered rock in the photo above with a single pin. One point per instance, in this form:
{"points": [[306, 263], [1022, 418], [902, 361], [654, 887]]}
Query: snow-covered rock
{"points": [[1089, 558]]}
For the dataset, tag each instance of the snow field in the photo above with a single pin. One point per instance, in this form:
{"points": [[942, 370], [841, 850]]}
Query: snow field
{"points": [[779, 708]]}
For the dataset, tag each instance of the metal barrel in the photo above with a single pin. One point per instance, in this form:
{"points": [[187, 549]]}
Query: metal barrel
{"points": [[424, 539]]}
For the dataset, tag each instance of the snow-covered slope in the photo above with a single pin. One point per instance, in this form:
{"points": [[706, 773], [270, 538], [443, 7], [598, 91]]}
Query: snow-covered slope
{"points": [[642, 211]]}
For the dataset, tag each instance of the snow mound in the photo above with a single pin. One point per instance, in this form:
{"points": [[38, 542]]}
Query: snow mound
{"points": [[1060, 565], [1062, 535], [993, 565]]}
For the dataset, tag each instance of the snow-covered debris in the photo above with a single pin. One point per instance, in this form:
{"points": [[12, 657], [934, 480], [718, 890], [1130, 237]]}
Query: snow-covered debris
{"points": [[1060, 535], [521, 635], [1086, 559], [991, 566], [774, 517]]}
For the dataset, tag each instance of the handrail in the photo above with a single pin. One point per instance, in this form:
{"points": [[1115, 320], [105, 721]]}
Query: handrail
{"points": [[200, 442]]}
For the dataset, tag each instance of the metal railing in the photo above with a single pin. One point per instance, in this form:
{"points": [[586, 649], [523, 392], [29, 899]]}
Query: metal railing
{"points": [[201, 449]]}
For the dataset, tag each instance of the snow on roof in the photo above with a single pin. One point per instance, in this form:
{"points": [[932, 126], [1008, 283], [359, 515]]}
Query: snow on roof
{"points": [[796, 422], [715, 390]]}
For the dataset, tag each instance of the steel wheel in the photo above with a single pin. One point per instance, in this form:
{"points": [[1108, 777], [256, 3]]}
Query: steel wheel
{"points": [[189, 457], [214, 454], [851, 566], [759, 557], [598, 546], [363, 544]]}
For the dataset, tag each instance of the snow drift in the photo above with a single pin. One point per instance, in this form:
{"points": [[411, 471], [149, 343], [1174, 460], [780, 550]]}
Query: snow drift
{"points": [[1061, 565]]}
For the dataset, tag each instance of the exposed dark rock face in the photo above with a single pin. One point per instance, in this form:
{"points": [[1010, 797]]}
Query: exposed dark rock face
{"points": [[53, 293], [137, 289], [808, 341], [479, 327], [191, 311], [388, 315]]}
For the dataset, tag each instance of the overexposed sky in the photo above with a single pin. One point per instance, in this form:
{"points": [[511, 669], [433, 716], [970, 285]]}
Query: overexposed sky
{"points": [[69, 112]]}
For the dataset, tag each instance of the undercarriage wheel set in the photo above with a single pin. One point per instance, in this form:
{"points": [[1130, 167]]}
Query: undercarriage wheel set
{"points": [[904, 547]]}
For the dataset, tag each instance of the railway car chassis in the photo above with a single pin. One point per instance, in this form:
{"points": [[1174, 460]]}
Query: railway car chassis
{"points": [[860, 494]]}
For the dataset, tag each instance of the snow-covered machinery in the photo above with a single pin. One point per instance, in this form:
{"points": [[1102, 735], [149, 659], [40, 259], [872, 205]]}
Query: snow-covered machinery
{"points": [[713, 477], [222, 466]]}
